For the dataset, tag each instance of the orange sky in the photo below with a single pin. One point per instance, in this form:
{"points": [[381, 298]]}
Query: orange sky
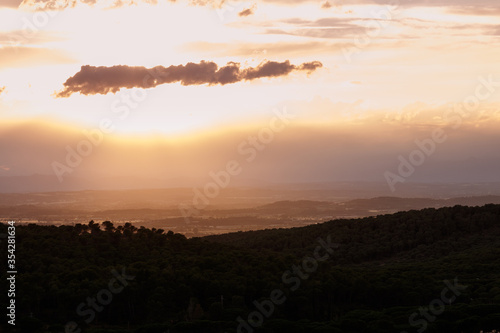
{"points": [[369, 72]]}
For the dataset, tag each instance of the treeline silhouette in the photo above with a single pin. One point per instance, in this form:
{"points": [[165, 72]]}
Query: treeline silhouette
{"points": [[384, 270]]}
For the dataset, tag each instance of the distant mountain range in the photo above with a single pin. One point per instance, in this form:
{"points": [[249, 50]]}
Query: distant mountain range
{"points": [[367, 207]]}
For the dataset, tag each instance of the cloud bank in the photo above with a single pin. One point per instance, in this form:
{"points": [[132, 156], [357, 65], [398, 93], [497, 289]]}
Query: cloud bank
{"points": [[91, 80], [361, 151]]}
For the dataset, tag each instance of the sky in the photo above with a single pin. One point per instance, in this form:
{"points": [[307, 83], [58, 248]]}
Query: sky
{"points": [[294, 91]]}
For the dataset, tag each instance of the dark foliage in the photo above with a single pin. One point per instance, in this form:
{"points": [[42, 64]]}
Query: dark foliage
{"points": [[385, 269]]}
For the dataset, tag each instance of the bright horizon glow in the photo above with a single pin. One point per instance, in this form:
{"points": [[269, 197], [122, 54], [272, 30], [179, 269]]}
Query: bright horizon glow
{"points": [[384, 83]]}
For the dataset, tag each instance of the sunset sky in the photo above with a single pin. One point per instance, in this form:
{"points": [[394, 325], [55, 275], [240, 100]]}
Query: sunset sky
{"points": [[182, 84]]}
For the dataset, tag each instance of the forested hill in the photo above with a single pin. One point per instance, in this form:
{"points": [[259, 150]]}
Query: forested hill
{"points": [[373, 274], [430, 232]]}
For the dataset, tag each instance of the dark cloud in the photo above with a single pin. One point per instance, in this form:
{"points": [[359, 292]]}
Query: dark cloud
{"points": [[246, 12], [310, 66], [92, 80], [269, 68]]}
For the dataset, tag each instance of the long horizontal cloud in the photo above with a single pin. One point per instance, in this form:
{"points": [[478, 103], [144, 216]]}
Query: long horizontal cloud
{"points": [[91, 80]]}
